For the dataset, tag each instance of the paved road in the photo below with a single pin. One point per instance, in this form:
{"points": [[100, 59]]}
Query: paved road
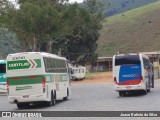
{"points": [[98, 97]]}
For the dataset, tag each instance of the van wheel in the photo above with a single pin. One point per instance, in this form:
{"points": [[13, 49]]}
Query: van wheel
{"points": [[53, 99], [66, 98]]}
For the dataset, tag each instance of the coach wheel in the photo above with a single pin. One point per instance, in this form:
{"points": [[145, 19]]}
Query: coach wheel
{"points": [[65, 98], [53, 99], [122, 93], [145, 91], [148, 90]]}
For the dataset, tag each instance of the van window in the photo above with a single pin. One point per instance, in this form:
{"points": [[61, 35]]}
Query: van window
{"points": [[127, 59]]}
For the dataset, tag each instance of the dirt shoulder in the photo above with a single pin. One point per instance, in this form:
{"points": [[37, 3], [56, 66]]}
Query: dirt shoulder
{"points": [[100, 78]]}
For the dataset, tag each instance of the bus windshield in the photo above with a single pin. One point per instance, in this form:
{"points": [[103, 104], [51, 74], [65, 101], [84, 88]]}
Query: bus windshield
{"points": [[2, 68], [127, 59]]}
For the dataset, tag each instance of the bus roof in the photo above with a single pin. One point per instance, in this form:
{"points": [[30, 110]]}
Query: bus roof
{"points": [[127, 54], [143, 55], [130, 54], [40, 53]]}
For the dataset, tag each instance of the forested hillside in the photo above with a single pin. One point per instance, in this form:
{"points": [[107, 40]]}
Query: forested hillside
{"points": [[112, 7], [119, 6], [137, 30]]}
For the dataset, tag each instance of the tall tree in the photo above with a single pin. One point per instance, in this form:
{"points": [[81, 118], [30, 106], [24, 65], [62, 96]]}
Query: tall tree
{"points": [[56, 25], [82, 42]]}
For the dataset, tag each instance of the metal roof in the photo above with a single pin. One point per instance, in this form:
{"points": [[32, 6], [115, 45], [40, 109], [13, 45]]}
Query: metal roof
{"points": [[152, 54], [104, 58]]}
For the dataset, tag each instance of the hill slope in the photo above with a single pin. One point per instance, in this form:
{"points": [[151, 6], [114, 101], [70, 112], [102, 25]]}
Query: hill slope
{"points": [[134, 31], [112, 7]]}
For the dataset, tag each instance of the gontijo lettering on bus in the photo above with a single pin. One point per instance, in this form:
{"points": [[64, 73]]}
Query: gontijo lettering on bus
{"points": [[24, 64]]}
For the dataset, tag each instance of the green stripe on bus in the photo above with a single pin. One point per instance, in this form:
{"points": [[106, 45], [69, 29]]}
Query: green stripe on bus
{"points": [[24, 80], [38, 61], [36, 79]]}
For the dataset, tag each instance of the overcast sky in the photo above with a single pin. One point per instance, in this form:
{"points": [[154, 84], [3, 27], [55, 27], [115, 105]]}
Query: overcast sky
{"points": [[78, 1]]}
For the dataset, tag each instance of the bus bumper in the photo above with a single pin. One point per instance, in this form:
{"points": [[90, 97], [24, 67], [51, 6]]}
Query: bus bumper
{"points": [[27, 98], [140, 86]]}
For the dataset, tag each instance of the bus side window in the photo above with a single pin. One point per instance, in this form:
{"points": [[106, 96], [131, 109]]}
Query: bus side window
{"points": [[48, 67], [45, 63], [51, 63], [58, 70], [60, 66], [65, 65], [54, 65]]}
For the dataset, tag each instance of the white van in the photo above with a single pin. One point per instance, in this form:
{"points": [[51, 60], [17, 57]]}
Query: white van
{"points": [[78, 73]]}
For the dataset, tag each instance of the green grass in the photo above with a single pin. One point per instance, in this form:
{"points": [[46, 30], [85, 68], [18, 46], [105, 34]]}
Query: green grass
{"points": [[94, 73], [133, 31], [89, 75]]}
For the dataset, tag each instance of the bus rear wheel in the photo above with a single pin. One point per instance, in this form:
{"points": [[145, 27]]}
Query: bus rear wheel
{"points": [[122, 93], [53, 99], [66, 98], [145, 91]]}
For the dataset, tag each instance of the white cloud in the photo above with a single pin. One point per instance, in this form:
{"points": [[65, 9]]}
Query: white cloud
{"points": [[71, 1], [78, 1]]}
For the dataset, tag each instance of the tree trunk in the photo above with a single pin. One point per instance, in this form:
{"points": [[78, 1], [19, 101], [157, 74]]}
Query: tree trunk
{"points": [[59, 52], [34, 44], [49, 46]]}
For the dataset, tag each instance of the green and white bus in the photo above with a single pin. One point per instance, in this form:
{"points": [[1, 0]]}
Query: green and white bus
{"points": [[37, 77], [3, 88]]}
